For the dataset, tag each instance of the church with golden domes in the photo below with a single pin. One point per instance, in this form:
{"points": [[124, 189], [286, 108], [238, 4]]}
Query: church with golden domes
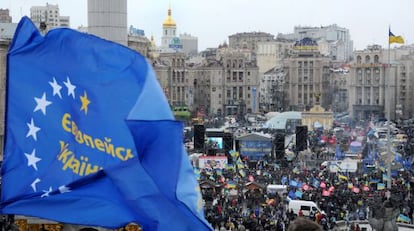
{"points": [[171, 42]]}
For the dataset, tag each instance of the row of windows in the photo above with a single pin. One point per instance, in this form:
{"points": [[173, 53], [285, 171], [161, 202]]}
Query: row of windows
{"points": [[368, 71], [305, 64], [178, 62], [367, 101], [368, 59], [369, 94], [369, 79], [235, 63], [166, 32]]}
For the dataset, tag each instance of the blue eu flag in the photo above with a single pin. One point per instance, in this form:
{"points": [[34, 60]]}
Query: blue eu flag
{"points": [[90, 138]]}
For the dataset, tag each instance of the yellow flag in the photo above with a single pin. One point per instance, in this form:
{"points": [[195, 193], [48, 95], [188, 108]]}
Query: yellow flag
{"points": [[395, 39]]}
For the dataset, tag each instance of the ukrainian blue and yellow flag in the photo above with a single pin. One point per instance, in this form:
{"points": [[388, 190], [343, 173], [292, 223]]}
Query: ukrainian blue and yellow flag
{"points": [[394, 38], [380, 186], [342, 177]]}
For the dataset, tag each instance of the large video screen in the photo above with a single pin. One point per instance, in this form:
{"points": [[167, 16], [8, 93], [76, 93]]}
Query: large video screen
{"points": [[215, 142]]}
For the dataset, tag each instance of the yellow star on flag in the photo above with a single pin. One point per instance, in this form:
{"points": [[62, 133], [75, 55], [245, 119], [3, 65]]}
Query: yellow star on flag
{"points": [[85, 102]]}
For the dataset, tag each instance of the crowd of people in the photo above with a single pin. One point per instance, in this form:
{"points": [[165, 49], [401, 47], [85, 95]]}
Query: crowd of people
{"points": [[236, 198]]}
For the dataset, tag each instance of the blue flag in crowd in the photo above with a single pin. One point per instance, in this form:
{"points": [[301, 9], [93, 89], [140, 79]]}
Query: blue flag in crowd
{"points": [[284, 180], [293, 183], [90, 138], [338, 153], [298, 194], [292, 195]]}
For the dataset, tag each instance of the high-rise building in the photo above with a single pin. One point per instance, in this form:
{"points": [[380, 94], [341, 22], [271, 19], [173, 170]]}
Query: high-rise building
{"points": [[334, 41], [48, 17], [108, 19]]}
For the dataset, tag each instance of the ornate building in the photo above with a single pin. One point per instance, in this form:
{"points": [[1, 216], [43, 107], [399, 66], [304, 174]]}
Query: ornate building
{"points": [[307, 74], [381, 88]]}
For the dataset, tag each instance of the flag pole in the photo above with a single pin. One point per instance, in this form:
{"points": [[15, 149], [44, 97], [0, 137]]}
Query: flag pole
{"points": [[388, 85]]}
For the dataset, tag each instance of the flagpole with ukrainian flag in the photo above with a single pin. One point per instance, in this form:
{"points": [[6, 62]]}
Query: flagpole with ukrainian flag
{"points": [[391, 39]]}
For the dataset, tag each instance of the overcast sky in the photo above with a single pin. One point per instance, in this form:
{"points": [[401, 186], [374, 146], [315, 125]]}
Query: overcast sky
{"points": [[212, 21]]}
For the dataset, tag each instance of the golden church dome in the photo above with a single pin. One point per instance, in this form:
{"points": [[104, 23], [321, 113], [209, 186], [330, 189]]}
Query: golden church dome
{"points": [[169, 21]]}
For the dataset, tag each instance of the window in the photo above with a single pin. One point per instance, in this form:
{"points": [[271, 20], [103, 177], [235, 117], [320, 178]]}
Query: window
{"points": [[305, 208], [359, 59], [213, 89], [376, 59], [367, 59]]}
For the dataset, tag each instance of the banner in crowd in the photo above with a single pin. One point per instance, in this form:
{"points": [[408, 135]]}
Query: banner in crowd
{"points": [[212, 162]]}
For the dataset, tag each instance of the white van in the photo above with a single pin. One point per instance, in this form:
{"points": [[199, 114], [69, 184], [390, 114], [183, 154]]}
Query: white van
{"points": [[306, 206]]}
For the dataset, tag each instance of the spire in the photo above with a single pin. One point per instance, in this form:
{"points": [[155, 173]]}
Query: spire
{"points": [[153, 41], [169, 22]]}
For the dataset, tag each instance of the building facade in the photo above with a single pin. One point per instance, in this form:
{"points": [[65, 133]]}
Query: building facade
{"points": [[241, 83], [140, 44], [269, 54], [171, 73], [381, 83], [108, 19], [272, 93], [308, 77], [190, 44], [405, 94], [248, 40], [340, 99], [5, 16]]}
